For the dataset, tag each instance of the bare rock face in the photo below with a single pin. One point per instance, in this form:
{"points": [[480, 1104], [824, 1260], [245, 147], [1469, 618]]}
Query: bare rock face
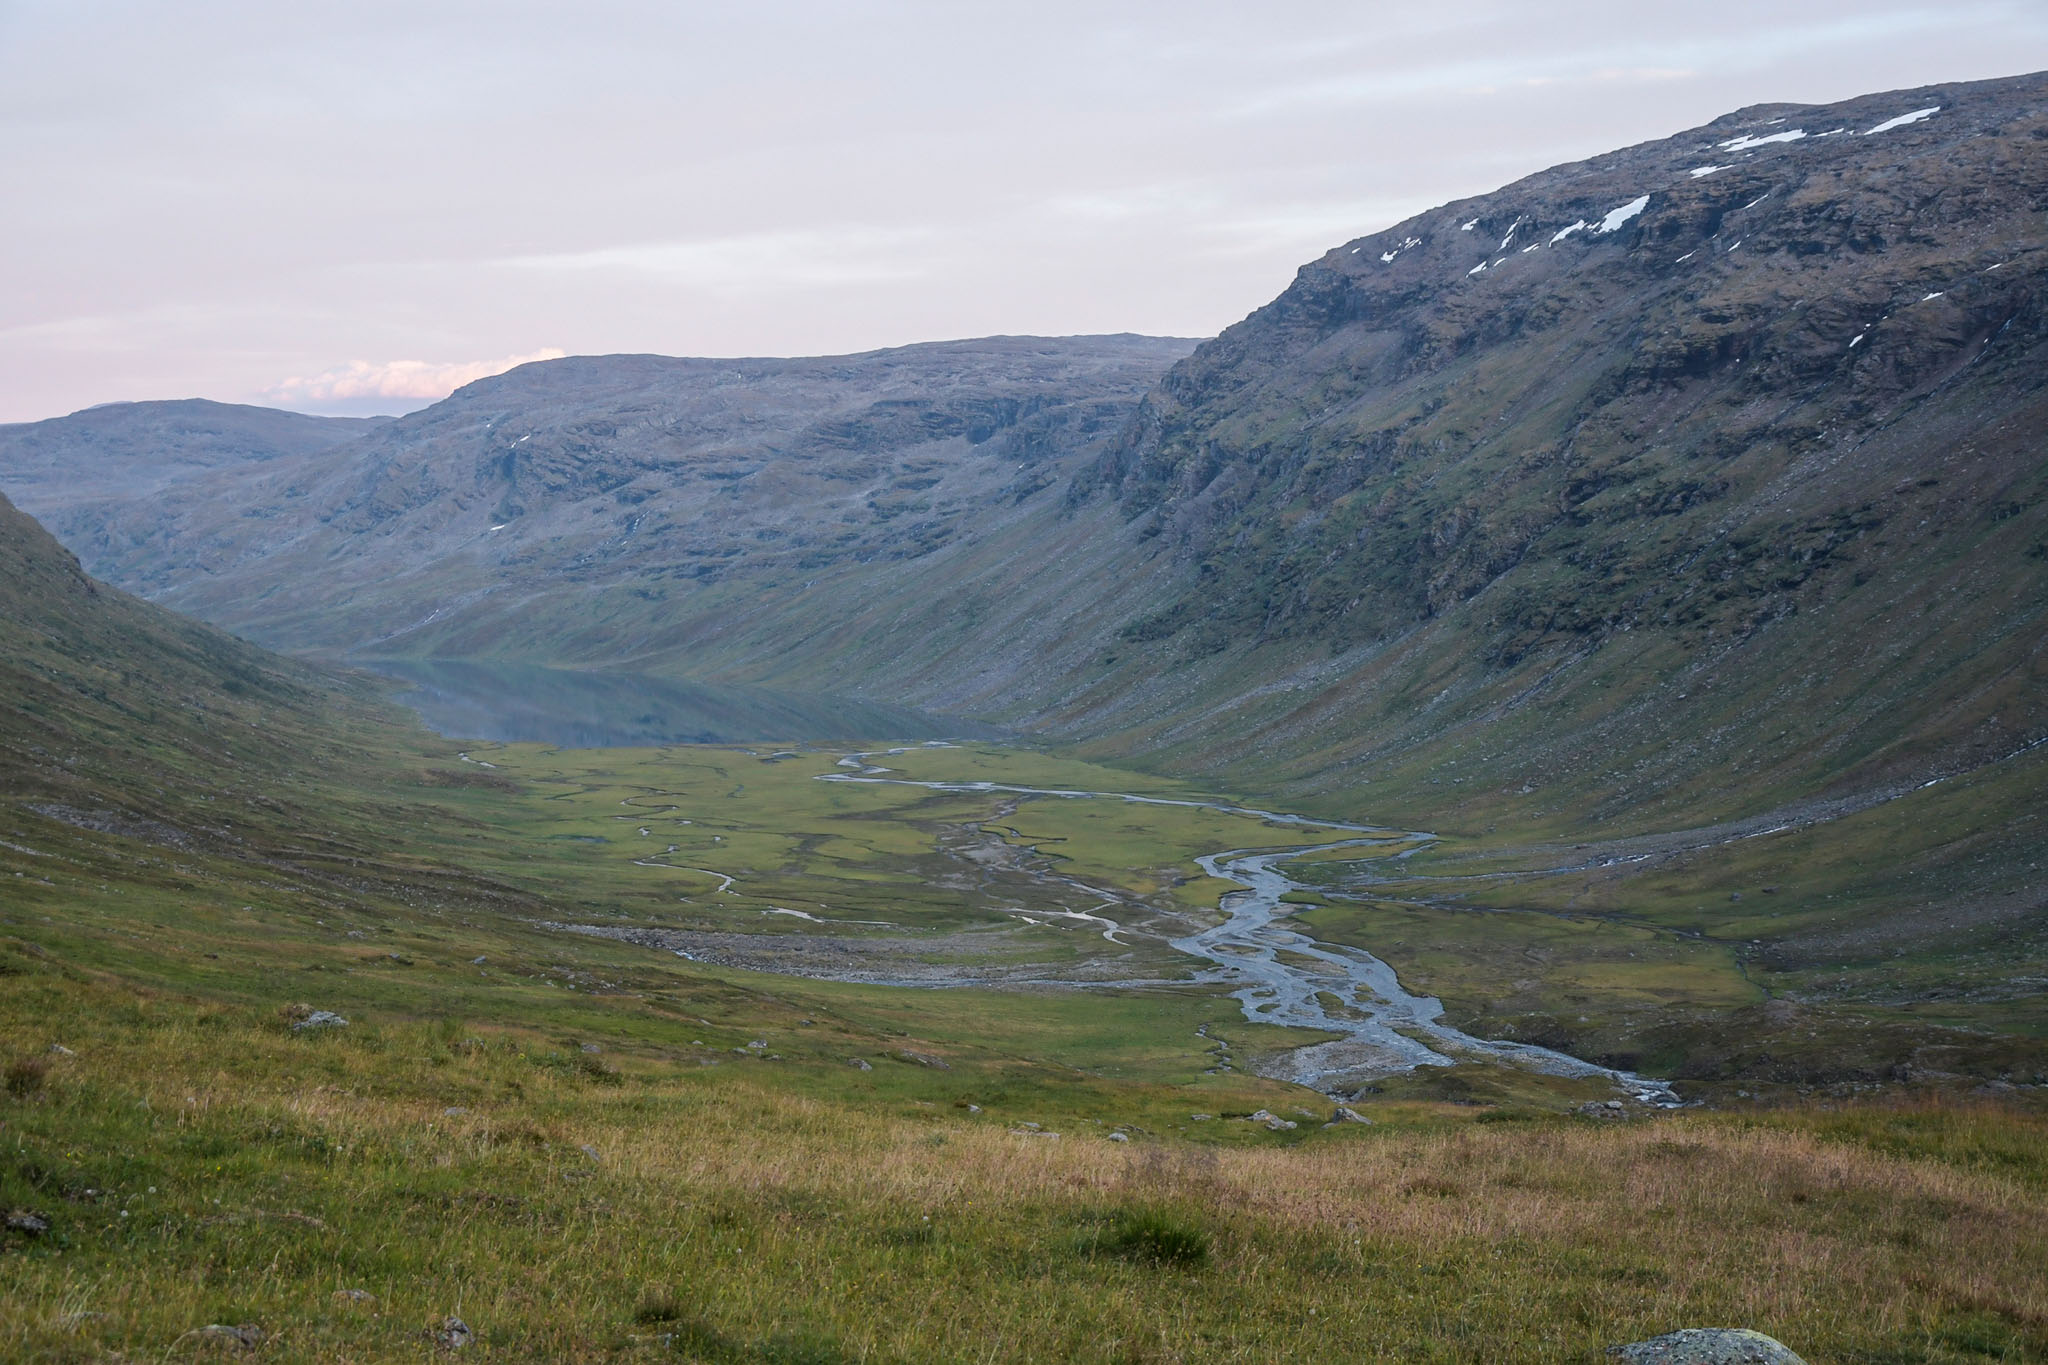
{"points": [[1707, 1346]]}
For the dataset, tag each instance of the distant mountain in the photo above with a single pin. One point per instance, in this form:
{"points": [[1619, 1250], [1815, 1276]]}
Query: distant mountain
{"points": [[590, 509], [118, 452], [1678, 484]]}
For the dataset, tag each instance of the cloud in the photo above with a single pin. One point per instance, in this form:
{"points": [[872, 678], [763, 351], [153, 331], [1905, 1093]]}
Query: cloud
{"points": [[397, 378], [752, 261]]}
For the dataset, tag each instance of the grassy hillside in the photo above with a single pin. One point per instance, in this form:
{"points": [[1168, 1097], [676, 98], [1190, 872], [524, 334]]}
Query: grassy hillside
{"points": [[576, 1147]]}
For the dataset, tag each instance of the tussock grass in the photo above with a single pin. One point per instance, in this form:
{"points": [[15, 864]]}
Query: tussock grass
{"points": [[723, 1215]]}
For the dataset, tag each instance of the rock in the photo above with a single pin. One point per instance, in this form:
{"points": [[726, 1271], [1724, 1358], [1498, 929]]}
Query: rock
{"points": [[245, 1336], [361, 1297], [453, 1111], [454, 1334], [589, 1151], [26, 1223], [1272, 1121], [478, 961], [1707, 1346], [1119, 1137], [59, 1050], [860, 1063], [1202, 1118], [318, 1019], [1346, 1115], [1032, 1130], [592, 1048], [924, 1059]]}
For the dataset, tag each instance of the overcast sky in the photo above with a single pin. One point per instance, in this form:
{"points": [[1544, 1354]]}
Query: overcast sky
{"points": [[354, 207]]}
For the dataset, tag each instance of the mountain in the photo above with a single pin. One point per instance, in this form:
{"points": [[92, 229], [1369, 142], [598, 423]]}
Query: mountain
{"points": [[1682, 479], [117, 453], [589, 510], [1693, 481]]}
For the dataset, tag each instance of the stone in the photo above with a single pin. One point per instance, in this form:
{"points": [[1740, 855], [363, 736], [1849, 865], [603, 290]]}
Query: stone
{"points": [[26, 1223], [1346, 1114], [453, 1111], [1707, 1346], [318, 1019], [246, 1336], [362, 1297], [59, 1050], [1271, 1120], [924, 1059], [454, 1334], [1119, 1137], [860, 1063], [592, 1048]]}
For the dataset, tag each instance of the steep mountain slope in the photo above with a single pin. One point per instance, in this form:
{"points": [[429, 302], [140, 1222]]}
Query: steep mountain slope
{"points": [[580, 510], [118, 718], [1681, 480], [1697, 482]]}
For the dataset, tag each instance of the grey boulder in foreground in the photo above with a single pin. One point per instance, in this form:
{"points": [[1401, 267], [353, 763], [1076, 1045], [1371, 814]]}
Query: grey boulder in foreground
{"points": [[1707, 1346]]}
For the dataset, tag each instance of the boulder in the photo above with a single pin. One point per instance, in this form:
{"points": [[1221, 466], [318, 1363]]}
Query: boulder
{"points": [[1707, 1346]]}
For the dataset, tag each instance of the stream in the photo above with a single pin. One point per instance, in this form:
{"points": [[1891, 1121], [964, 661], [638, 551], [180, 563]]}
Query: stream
{"points": [[1282, 976]]}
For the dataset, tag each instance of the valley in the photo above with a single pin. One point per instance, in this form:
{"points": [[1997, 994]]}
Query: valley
{"points": [[1499, 799]]}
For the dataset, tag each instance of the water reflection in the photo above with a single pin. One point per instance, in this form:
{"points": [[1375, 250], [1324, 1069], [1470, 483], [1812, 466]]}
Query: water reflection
{"points": [[574, 708]]}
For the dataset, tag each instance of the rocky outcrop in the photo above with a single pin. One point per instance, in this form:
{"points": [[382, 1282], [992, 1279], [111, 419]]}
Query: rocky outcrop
{"points": [[1707, 1346]]}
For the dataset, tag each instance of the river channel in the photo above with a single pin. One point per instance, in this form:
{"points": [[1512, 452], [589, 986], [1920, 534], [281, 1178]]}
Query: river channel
{"points": [[1280, 975]]}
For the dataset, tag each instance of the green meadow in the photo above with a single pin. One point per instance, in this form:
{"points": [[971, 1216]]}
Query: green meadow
{"points": [[586, 1148]]}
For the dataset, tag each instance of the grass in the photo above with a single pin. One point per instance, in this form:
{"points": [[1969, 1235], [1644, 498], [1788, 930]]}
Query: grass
{"points": [[590, 1150], [201, 1165], [682, 1193]]}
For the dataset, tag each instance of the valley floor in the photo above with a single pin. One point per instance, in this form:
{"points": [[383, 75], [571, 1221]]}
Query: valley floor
{"points": [[585, 1147]]}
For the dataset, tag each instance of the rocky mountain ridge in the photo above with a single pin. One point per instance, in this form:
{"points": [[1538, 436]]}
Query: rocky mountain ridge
{"points": [[1672, 485]]}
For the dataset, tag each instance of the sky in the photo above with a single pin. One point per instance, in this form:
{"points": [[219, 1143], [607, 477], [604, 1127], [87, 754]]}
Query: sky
{"points": [[356, 208]]}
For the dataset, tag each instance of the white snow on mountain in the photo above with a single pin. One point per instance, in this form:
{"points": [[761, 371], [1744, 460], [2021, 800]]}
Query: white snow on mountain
{"points": [[1902, 120]]}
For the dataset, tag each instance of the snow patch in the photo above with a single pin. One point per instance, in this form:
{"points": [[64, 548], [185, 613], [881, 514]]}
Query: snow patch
{"points": [[1858, 337], [1754, 202], [1563, 233], [1902, 120], [501, 526], [1533, 246], [1477, 268], [1935, 295], [1467, 227], [1511, 232], [1613, 221], [1687, 256], [1702, 172], [1746, 141]]}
